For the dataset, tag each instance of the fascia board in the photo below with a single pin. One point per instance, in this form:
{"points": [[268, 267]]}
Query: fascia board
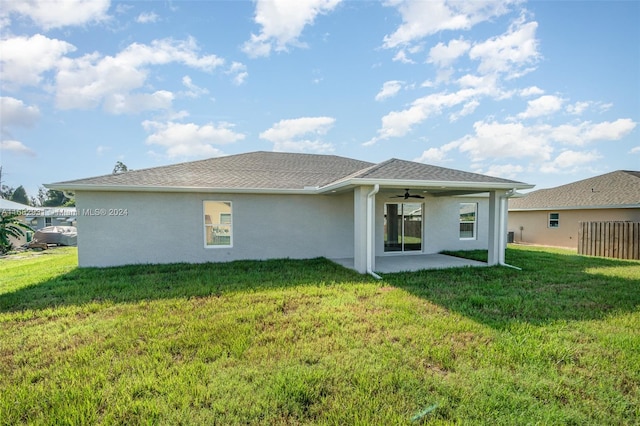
{"points": [[399, 183], [182, 189], [552, 208]]}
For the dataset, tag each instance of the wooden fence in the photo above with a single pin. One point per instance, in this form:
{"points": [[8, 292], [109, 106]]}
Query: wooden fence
{"points": [[620, 240]]}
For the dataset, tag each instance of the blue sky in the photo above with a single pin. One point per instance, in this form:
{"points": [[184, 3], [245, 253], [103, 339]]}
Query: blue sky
{"points": [[543, 92]]}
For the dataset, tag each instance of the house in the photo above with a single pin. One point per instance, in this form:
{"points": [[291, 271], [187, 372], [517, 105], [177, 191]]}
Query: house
{"points": [[551, 216], [263, 205], [40, 217], [11, 207]]}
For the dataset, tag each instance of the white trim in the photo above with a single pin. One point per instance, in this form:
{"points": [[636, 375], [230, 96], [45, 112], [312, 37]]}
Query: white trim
{"points": [[346, 184], [425, 184], [371, 232], [552, 208]]}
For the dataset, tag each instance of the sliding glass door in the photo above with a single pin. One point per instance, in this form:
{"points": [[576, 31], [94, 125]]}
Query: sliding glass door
{"points": [[402, 227]]}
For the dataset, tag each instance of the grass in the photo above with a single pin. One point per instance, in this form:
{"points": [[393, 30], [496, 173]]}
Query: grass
{"points": [[309, 342]]}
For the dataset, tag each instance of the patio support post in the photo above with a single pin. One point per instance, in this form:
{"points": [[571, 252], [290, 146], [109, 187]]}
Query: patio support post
{"points": [[497, 224], [360, 229]]}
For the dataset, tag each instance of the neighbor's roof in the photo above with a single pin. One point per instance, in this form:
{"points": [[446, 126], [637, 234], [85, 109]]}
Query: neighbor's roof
{"points": [[278, 172], [619, 189], [12, 205]]}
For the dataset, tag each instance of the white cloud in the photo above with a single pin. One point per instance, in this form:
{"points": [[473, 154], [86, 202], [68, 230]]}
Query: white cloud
{"points": [[147, 17], [25, 59], [635, 150], [399, 123], [434, 155], [568, 161], [578, 108], [133, 103], [194, 91], [505, 171], [467, 109], [190, 139], [493, 141], [92, 79], [282, 23], [16, 147], [300, 134], [531, 91], [445, 55], [239, 73], [610, 130], [423, 18], [58, 13], [15, 113], [505, 140], [544, 105], [586, 132], [509, 52], [401, 56], [389, 89]]}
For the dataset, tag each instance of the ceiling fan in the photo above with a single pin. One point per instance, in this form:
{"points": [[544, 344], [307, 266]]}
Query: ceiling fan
{"points": [[407, 195]]}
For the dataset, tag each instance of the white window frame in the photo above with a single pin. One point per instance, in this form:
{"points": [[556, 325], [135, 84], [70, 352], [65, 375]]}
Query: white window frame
{"points": [[474, 222], [555, 220], [207, 227]]}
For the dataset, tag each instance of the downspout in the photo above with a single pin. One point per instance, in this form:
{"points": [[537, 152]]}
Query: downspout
{"points": [[502, 236], [370, 229]]}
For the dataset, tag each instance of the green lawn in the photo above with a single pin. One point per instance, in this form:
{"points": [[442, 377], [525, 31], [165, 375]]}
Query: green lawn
{"points": [[309, 342]]}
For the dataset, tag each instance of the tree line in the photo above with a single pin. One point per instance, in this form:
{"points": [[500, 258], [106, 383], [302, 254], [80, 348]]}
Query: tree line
{"points": [[46, 198]]}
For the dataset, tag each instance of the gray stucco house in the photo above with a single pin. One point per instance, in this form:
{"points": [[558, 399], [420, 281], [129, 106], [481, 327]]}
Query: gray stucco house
{"points": [[263, 205]]}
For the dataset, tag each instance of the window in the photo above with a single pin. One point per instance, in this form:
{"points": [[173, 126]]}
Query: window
{"points": [[47, 221], [554, 220], [402, 227], [468, 220], [217, 224]]}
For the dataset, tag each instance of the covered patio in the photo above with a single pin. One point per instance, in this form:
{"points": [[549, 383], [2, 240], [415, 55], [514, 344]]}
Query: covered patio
{"points": [[415, 262]]}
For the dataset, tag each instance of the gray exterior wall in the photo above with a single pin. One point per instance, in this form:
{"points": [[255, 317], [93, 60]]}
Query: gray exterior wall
{"points": [[441, 224], [169, 227]]}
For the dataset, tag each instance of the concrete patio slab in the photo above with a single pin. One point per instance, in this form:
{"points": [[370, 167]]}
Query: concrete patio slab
{"points": [[414, 262]]}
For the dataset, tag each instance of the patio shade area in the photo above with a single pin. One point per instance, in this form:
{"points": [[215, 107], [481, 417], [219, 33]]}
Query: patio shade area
{"points": [[392, 264]]}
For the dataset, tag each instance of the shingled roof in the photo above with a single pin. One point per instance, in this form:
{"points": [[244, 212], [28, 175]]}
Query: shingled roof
{"points": [[616, 189], [273, 171]]}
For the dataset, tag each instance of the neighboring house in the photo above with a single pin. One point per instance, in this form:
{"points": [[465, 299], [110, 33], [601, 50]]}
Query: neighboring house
{"points": [[551, 216], [39, 217], [7, 206], [265, 205]]}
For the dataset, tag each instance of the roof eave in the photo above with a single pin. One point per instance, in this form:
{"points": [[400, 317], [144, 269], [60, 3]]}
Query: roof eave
{"points": [[426, 184], [189, 189], [596, 207]]}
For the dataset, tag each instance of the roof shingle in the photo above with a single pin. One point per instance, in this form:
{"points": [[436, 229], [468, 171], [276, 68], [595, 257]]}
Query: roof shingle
{"points": [[619, 188], [275, 171]]}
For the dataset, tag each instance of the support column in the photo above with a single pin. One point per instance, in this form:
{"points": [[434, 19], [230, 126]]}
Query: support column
{"points": [[360, 229], [497, 224]]}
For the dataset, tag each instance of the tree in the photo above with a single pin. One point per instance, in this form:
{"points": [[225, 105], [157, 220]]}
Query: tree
{"points": [[20, 196], [56, 199], [6, 191], [120, 167], [41, 198], [10, 226]]}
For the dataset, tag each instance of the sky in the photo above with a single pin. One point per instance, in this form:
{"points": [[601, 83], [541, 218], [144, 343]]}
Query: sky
{"points": [[543, 92]]}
